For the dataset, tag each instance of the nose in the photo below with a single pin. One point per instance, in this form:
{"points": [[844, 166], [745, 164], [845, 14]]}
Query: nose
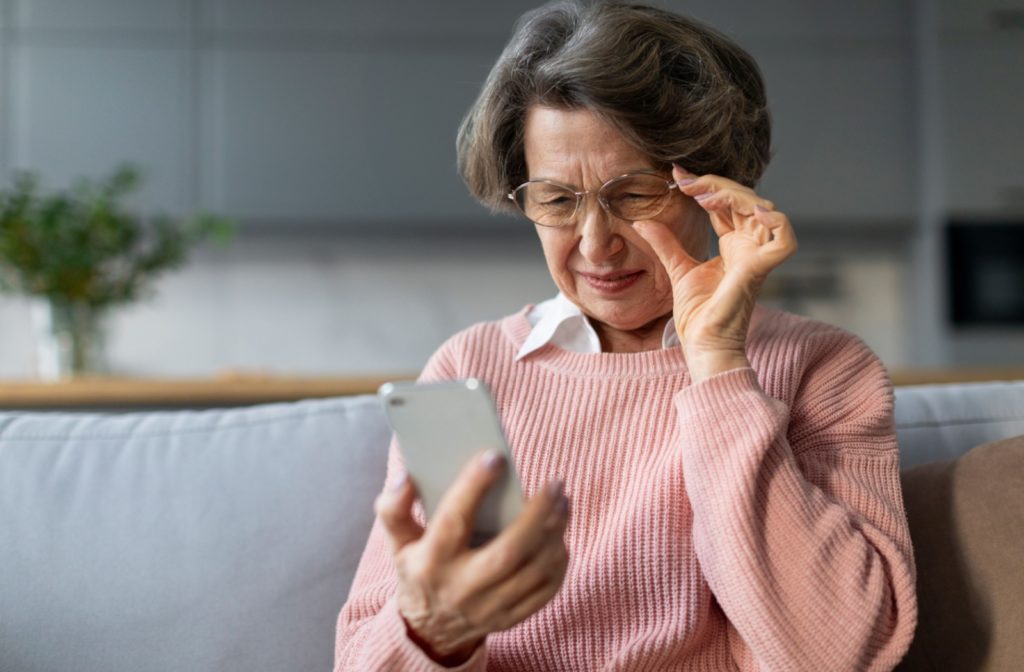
{"points": [[600, 239]]}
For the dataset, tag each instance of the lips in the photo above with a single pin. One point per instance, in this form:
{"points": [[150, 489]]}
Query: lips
{"points": [[611, 283], [608, 277]]}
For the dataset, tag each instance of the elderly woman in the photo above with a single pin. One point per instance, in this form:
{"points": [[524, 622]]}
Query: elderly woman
{"points": [[732, 470]]}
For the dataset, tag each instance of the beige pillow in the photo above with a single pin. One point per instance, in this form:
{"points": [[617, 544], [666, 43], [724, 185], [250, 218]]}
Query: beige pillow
{"points": [[967, 523]]}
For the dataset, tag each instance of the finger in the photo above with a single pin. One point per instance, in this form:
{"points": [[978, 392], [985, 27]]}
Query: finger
{"points": [[547, 566], [731, 209], [670, 252], [452, 524], [721, 220], [692, 184], [543, 519], [741, 202], [394, 508], [534, 601], [783, 243]]}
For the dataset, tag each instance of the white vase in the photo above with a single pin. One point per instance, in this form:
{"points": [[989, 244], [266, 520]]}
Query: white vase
{"points": [[70, 339]]}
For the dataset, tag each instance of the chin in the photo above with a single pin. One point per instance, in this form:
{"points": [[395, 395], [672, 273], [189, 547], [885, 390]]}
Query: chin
{"points": [[620, 317]]}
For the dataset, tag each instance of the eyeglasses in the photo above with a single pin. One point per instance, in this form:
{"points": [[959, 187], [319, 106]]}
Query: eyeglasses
{"points": [[631, 197]]}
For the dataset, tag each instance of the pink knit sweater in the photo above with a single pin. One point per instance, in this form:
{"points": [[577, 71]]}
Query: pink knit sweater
{"points": [[753, 521]]}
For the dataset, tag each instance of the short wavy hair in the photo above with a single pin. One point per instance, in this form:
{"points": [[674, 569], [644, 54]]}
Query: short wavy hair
{"points": [[678, 90]]}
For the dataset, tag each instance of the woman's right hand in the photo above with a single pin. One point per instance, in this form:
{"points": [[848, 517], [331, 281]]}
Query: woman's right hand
{"points": [[451, 596]]}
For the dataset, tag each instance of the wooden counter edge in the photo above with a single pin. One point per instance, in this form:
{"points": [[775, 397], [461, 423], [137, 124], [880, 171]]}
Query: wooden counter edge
{"points": [[244, 390], [129, 392]]}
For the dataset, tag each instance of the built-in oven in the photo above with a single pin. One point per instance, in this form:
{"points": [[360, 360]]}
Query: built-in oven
{"points": [[986, 272]]}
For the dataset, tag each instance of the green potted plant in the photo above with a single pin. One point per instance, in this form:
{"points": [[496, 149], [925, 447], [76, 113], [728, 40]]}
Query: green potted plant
{"points": [[81, 252]]}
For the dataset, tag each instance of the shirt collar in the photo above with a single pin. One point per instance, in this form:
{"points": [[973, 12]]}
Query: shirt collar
{"points": [[560, 322]]}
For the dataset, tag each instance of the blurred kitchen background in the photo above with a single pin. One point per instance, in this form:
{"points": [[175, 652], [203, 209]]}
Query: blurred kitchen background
{"points": [[326, 129]]}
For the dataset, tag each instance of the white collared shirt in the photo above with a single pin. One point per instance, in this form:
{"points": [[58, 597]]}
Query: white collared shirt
{"points": [[560, 322]]}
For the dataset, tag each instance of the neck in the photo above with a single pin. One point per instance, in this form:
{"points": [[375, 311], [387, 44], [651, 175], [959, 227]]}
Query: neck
{"points": [[646, 337]]}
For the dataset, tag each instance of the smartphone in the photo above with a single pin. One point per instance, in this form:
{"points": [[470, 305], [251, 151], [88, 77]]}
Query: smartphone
{"points": [[440, 427]]}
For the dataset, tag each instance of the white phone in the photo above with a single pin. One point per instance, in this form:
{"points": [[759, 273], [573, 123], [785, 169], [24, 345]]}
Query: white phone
{"points": [[440, 427]]}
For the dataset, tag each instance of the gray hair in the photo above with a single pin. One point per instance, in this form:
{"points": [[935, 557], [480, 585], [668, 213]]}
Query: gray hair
{"points": [[678, 90]]}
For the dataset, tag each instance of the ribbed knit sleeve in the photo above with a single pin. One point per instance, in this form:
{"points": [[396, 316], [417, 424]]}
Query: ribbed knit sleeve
{"points": [[798, 519], [371, 635]]}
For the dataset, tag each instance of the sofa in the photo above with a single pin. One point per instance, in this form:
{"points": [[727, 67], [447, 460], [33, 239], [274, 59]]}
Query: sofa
{"points": [[216, 540]]}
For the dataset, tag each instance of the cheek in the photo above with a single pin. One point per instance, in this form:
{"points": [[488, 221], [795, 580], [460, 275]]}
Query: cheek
{"points": [[557, 251]]}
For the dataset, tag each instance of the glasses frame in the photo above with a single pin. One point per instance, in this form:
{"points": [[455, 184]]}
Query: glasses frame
{"points": [[601, 199]]}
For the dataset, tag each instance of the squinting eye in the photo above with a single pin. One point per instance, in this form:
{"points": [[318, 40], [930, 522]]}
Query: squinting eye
{"points": [[552, 199], [635, 197]]}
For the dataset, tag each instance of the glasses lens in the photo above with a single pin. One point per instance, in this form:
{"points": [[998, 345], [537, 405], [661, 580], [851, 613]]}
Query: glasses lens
{"points": [[546, 204], [635, 197]]}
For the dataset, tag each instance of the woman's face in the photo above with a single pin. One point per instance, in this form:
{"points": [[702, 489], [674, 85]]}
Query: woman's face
{"points": [[599, 262]]}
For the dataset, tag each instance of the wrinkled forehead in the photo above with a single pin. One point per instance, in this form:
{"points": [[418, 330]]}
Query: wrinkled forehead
{"points": [[577, 148]]}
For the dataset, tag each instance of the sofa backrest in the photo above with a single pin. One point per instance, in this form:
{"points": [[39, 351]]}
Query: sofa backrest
{"points": [[183, 541], [936, 422], [227, 539]]}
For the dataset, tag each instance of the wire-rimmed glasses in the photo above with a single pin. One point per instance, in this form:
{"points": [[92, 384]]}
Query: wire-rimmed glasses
{"points": [[632, 197]]}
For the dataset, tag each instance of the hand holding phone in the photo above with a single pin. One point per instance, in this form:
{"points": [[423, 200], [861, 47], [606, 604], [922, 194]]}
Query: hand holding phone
{"points": [[452, 596]]}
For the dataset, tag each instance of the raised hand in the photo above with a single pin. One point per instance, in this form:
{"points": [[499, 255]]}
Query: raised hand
{"points": [[713, 300]]}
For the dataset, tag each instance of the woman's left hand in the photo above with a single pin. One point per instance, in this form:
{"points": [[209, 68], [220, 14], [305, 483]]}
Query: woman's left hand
{"points": [[713, 300]]}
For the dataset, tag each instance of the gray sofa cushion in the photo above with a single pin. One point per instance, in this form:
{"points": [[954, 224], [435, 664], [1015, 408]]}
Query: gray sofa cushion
{"points": [[200, 541], [937, 422]]}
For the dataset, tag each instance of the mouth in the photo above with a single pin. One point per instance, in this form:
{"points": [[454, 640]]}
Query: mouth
{"points": [[611, 283]]}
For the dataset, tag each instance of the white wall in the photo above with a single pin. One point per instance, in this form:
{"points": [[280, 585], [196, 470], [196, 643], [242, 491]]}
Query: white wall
{"points": [[321, 306], [314, 306]]}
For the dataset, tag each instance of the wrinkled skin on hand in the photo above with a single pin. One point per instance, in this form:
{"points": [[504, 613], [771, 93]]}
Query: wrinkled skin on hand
{"points": [[452, 596]]}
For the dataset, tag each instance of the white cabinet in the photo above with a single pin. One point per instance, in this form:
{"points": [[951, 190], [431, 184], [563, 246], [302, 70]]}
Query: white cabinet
{"points": [[982, 126], [345, 112], [93, 83], [984, 19], [844, 138], [341, 113], [78, 111], [108, 16], [797, 24], [841, 90], [459, 19], [337, 135]]}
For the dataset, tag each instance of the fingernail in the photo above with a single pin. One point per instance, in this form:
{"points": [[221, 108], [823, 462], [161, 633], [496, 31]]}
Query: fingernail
{"points": [[493, 460], [681, 169], [757, 206], [555, 488], [689, 180], [562, 507], [399, 481], [559, 514], [705, 196]]}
